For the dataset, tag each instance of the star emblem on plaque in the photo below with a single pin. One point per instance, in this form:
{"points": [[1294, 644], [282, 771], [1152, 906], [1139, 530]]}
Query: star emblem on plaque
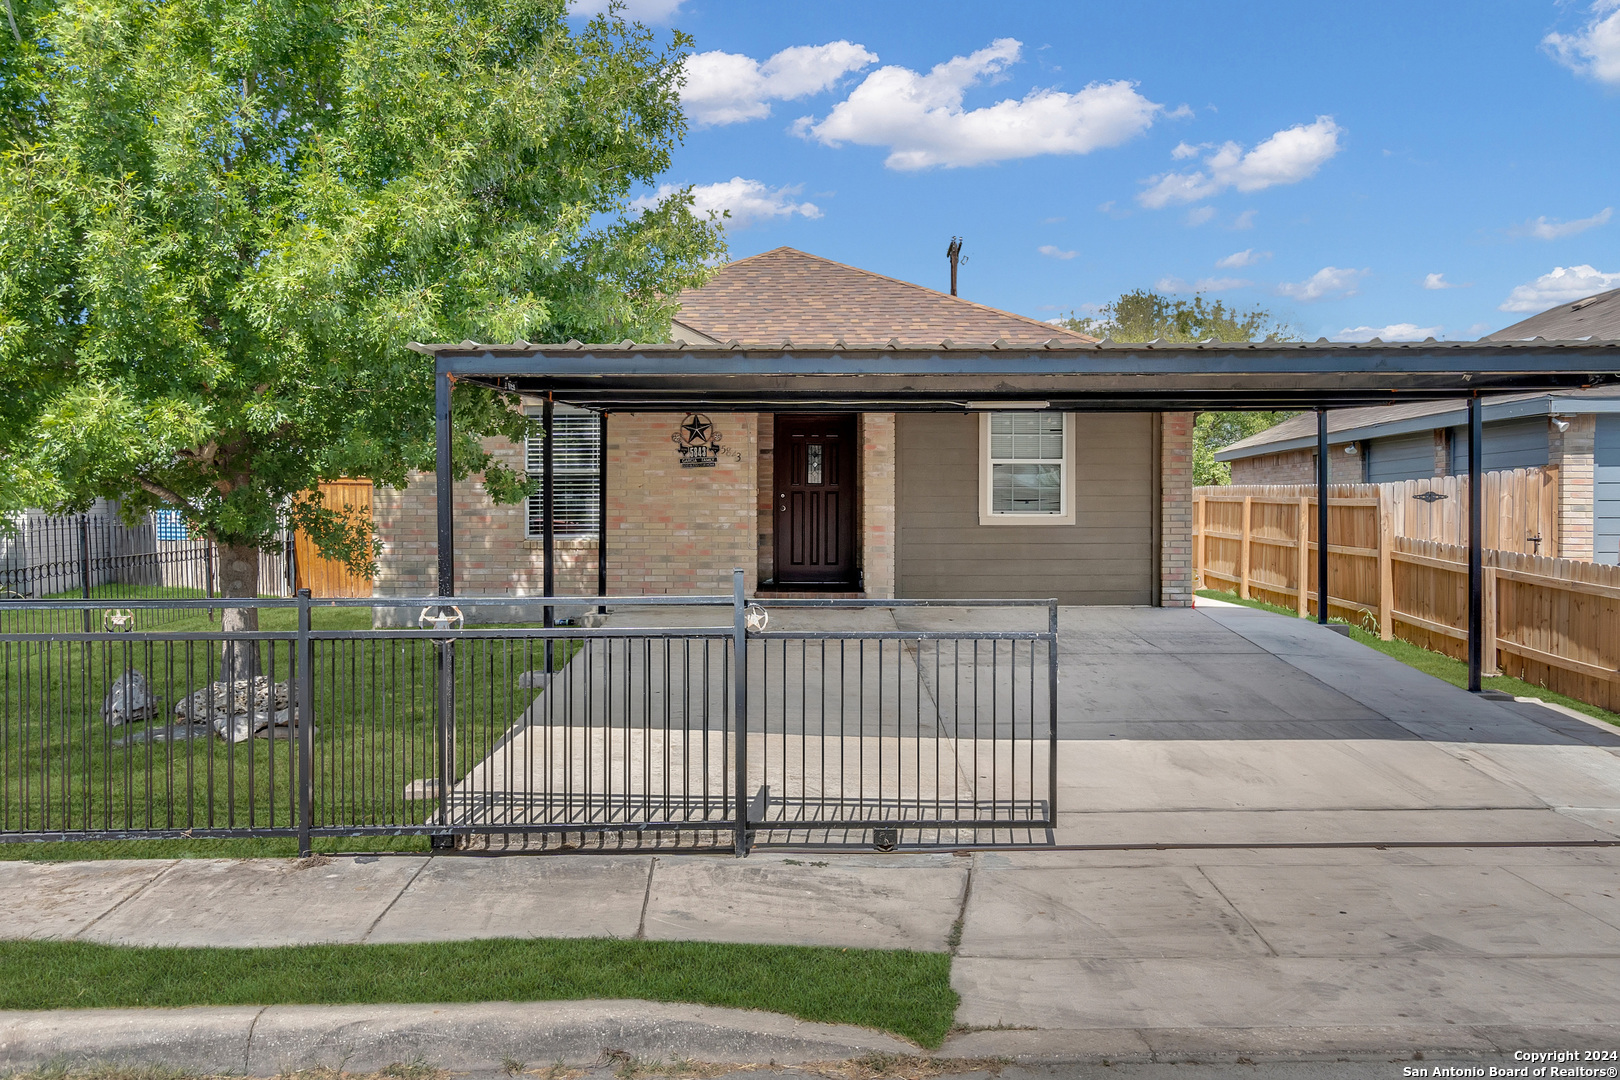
{"points": [[697, 441]]}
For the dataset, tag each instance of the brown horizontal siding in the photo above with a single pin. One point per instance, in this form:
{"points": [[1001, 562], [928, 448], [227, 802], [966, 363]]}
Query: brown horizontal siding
{"points": [[1106, 557]]}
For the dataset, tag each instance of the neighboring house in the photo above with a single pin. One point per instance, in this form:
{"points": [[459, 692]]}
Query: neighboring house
{"points": [[1578, 431], [1092, 508]]}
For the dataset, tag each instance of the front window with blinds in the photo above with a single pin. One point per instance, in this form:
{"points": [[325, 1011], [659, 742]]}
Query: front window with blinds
{"points": [[576, 471], [1026, 462]]}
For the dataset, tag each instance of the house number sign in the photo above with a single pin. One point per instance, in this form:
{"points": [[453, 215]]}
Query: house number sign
{"points": [[697, 441]]}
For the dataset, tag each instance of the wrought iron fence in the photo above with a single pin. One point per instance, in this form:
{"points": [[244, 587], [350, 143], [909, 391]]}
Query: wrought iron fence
{"points": [[103, 557], [318, 724]]}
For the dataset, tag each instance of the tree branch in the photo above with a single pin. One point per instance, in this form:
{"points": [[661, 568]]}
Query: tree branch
{"points": [[12, 19], [160, 491]]}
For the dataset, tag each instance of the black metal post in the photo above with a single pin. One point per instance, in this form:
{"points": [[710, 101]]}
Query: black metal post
{"points": [[1321, 517], [443, 700], [444, 487], [1476, 570], [84, 565], [304, 726], [739, 645], [601, 510], [548, 515]]}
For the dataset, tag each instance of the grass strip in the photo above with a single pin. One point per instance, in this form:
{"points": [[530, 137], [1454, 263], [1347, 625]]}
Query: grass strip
{"points": [[903, 992], [1439, 665]]}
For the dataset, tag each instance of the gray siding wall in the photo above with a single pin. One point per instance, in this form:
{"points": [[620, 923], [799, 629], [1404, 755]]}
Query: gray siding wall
{"points": [[1509, 444], [1105, 557], [1401, 457], [1607, 493]]}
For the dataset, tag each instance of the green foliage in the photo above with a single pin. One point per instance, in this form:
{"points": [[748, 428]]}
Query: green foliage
{"points": [[1144, 315], [221, 223]]}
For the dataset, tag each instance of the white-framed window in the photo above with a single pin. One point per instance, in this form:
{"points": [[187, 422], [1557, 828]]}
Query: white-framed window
{"points": [[1026, 468], [576, 463]]}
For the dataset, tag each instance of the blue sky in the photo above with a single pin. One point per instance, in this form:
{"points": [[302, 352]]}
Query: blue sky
{"points": [[1320, 160]]}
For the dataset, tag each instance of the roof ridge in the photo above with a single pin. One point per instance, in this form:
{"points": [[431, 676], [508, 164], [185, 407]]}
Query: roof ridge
{"points": [[1049, 327]]}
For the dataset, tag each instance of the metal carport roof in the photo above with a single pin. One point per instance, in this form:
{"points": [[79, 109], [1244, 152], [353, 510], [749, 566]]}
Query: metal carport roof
{"points": [[896, 376]]}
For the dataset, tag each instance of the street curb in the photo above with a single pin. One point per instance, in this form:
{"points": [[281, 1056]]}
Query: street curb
{"points": [[277, 1039]]}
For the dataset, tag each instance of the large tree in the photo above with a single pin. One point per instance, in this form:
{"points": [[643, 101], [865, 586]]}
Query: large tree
{"points": [[221, 222], [1145, 315]]}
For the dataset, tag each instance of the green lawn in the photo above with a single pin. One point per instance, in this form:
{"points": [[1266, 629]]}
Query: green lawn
{"points": [[1439, 665], [375, 733], [907, 993]]}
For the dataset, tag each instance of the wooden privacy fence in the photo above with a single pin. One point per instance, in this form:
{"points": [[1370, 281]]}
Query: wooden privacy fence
{"points": [[1552, 622], [1521, 506], [327, 577]]}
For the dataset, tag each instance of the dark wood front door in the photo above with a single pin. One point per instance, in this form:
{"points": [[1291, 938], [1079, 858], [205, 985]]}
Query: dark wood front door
{"points": [[815, 499]]}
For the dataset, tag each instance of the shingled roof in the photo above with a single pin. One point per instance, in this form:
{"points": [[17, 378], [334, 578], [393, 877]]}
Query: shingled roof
{"points": [[1594, 317], [789, 294]]}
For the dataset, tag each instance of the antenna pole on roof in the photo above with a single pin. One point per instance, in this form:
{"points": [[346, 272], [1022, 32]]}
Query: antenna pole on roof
{"points": [[954, 253]]}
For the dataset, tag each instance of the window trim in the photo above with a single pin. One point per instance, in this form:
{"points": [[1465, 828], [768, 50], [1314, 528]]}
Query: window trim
{"points": [[1066, 481]]}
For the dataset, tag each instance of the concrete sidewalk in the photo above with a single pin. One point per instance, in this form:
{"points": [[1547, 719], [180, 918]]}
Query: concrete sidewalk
{"points": [[1062, 954]]}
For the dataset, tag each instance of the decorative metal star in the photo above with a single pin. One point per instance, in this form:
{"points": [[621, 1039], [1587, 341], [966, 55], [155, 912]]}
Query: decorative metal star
{"points": [[697, 429]]}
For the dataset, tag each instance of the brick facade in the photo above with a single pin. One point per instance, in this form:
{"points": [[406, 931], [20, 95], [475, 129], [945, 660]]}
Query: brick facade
{"points": [[1175, 509], [493, 557], [1573, 451], [1298, 467], [877, 525], [674, 530]]}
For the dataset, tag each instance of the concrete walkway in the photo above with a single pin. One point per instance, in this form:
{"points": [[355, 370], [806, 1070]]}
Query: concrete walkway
{"points": [[1219, 749]]}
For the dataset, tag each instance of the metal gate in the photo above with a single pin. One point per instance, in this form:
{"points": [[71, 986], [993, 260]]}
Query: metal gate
{"points": [[375, 717]]}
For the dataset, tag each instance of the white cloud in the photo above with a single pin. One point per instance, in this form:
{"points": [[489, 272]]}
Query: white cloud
{"points": [[1185, 150], [1208, 284], [1287, 157], [1401, 331], [1595, 50], [1438, 281], [921, 120], [1542, 229], [1244, 220], [748, 200], [1238, 260], [1052, 251], [647, 11], [1200, 214], [1564, 285], [725, 88], [1326, 282]]}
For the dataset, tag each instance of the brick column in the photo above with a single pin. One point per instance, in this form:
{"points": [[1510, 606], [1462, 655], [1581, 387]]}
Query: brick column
{"points": [[1572, 451], [877, 503], [1175, 509], [1442, 452]]}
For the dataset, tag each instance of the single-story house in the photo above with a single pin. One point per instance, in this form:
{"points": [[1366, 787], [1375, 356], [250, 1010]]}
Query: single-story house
{"points": [[1089, 507], [1578, 431]]}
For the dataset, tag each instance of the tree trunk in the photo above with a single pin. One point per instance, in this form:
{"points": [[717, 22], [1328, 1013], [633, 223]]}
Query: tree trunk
{"points": [[239, 576]]}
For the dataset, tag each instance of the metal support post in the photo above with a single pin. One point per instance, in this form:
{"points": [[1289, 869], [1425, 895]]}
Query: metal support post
{"points": [[444, 487], [303, 701], [548, 517], [1321, 517], [84, 565], [443, 699], [1476, 570], [739, 644], [601, 509], [1052, 713]]}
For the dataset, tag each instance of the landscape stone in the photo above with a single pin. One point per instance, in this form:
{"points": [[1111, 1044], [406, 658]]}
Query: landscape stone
{"points": [[129, 701]]}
